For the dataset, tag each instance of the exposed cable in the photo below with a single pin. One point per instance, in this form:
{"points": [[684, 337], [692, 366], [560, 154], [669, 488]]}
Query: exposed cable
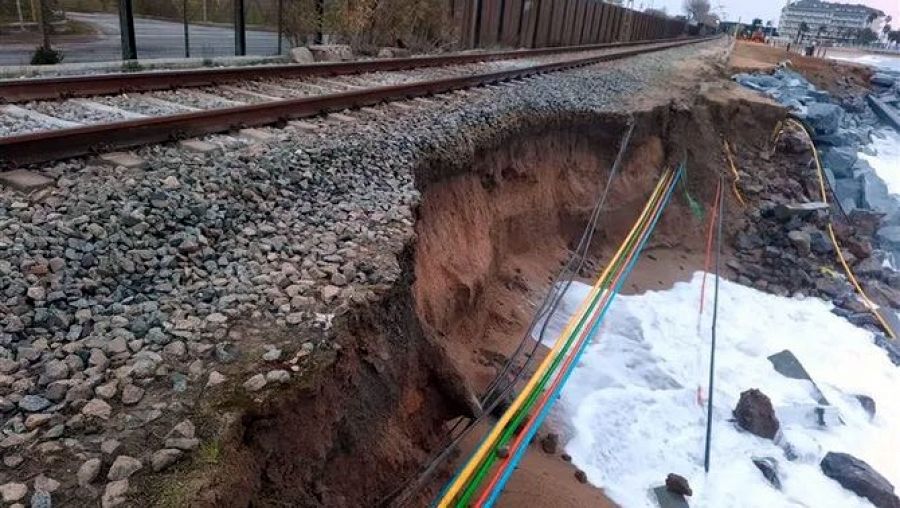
{"points": [[492, 492], [715, 318], [837, 248], [734, 171], [497, 389]]}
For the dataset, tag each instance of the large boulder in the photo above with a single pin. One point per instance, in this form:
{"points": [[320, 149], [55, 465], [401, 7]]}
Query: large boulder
{"points": [[331, 52], [391, 52], [755, 414], [858, 477], [882, 79], [875, 195], [840, 161], [823, 117], [302, 55]]}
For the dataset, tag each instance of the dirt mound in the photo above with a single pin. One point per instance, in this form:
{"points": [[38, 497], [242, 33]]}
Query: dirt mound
{"points": [[833, 76]]}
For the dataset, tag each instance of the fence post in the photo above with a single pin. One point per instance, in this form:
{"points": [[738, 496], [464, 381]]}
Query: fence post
{"points": [[187, 35], [240, 29], [280, 24], [126, 29], [320, 20]]}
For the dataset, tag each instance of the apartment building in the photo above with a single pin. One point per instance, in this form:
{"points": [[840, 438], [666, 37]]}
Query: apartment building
{"points": [[827, 21]]}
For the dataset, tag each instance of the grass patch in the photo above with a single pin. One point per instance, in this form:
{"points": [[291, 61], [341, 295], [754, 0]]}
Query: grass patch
{"points": [[174, 494], [210, 452], [132, 66]]}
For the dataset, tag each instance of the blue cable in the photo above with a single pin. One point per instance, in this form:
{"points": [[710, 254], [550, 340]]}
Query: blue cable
{"points": [[514, 461]]}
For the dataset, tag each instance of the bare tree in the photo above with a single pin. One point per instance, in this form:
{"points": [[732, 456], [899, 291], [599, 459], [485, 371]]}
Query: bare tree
{"points": [[696, 10]]}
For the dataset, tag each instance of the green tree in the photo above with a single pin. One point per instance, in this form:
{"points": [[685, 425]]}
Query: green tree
{"points": [[866, 36], [757, 22], [801, 30]]}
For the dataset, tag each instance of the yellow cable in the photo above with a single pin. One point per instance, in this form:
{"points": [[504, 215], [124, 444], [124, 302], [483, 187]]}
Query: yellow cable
{"points": [[737, 177], [462, 479], [837, 248]]}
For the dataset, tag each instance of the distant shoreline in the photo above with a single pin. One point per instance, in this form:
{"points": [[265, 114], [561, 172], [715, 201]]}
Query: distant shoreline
{"points": [[851, 52]]}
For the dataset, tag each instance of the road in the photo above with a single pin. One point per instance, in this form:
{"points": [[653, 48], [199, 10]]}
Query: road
{"points": [[155, 39]]}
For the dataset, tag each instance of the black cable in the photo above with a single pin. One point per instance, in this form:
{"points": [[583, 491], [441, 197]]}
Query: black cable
{"points": [[580, 254], [494, 395], [715, 316]]}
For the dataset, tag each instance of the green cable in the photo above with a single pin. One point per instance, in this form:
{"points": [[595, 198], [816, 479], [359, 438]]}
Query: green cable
{"points": [[696, 208], [525, 409]]}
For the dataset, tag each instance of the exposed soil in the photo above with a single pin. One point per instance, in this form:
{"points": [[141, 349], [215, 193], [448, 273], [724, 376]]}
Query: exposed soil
{"points": [[489, 239]]}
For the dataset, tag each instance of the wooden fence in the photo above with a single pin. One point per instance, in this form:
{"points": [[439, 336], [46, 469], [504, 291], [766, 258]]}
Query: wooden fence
{"points": [[543, 23]]}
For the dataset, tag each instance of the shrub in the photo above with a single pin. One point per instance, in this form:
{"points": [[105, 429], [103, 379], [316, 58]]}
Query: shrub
{"points": [[46, 56]]}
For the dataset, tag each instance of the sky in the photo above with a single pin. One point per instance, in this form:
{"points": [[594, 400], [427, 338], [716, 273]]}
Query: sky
{"points": [[765, 9]]}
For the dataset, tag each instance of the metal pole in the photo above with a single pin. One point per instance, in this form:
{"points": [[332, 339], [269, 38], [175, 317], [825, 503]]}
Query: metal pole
{"points": [[240, 29], [715, 318], [126, 29], [320, 15], [280, 23], [187, 35], [205, 18]]}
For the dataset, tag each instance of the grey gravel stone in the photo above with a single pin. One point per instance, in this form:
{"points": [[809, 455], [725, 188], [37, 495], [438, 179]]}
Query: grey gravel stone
{"points": [[97, 408], [88, 472], [255, 383], [41, 499], [278, 376], [34, 403], [13, 491], [162, 459], [114, 494], [123, 467]]}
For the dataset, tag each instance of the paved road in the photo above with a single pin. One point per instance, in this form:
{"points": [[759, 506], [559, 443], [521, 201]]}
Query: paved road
{"points": [[155, 39]]}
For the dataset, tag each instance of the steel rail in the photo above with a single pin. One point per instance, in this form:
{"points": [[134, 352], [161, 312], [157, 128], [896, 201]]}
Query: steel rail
{"points": [[21, 90], [58, 144]]}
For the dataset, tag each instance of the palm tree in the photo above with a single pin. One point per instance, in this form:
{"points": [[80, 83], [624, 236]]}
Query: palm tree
{"points": [[802, 29]]}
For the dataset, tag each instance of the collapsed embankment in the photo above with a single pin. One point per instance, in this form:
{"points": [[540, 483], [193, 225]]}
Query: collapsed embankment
{"points": [[492, 227]]}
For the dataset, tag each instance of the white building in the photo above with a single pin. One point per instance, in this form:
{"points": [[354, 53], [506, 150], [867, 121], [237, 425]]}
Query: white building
{"points": [[827, 21]]}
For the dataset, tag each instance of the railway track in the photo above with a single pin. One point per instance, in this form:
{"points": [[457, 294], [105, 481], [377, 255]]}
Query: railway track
{"points": [[218, 100]]}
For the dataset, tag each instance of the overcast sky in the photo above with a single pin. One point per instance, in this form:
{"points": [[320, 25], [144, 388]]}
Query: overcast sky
{"points": [[765, 9]]}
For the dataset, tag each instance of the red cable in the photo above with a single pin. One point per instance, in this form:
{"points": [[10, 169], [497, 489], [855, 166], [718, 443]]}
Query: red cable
{"points": [[709, 238]]}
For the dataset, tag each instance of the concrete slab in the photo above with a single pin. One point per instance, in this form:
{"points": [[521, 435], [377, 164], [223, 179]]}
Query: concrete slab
{"points": [[51, 121], [340, 117], [197, 146], [305, 126], [103, 108], [786, 364], [668, 499], [256, 135], [403, 106], [23, 180], [124, 159], [371, 111], [250, 93]]}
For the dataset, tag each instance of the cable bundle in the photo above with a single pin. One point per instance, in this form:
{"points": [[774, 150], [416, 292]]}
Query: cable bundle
{"points": [[502, 449]]}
